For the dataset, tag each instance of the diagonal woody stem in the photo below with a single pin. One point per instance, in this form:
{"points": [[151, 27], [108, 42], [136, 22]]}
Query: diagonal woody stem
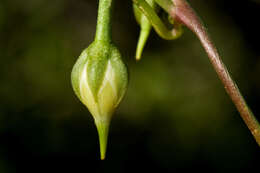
{"points": [[183, 13]]}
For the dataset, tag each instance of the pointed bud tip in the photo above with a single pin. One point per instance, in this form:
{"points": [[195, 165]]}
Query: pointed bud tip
{"points": [[144, 34], [103, 128], [138, 57], [102, 157], [139, 51]]}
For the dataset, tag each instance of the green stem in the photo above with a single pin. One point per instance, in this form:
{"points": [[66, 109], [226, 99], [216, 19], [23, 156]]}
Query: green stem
{"points": [[103, 31]]}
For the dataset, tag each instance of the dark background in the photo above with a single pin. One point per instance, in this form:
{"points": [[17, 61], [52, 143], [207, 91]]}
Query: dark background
{"points": [[175, 116]]}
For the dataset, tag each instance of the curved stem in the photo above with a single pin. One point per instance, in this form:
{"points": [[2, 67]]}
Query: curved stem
{"points": [[156, 22], [183, 13], [103, 31]]}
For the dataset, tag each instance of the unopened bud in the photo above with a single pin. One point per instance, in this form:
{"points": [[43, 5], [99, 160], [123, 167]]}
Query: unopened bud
{"points": [[145, 27], [100, 79]]}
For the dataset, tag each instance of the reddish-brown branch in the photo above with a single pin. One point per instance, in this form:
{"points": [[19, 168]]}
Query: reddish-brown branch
{"points": [[183, 13]]}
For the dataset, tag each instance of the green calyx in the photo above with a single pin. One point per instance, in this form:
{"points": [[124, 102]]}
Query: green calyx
{"points": [[99, 77], [100, 61]]}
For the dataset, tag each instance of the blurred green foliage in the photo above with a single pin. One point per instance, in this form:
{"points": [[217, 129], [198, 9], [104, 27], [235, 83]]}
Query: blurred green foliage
{"points": [[175, 115]]}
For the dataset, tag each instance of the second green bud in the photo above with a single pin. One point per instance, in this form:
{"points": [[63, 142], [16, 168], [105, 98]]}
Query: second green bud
{"points": [[145, 27]]}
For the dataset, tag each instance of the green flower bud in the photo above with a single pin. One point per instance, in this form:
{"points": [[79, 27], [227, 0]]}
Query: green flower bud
{"points": [[145, 27], [99, 77]]}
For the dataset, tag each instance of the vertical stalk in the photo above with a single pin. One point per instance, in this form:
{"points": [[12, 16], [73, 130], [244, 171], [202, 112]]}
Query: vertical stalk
{"points": [[103, 31]]}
